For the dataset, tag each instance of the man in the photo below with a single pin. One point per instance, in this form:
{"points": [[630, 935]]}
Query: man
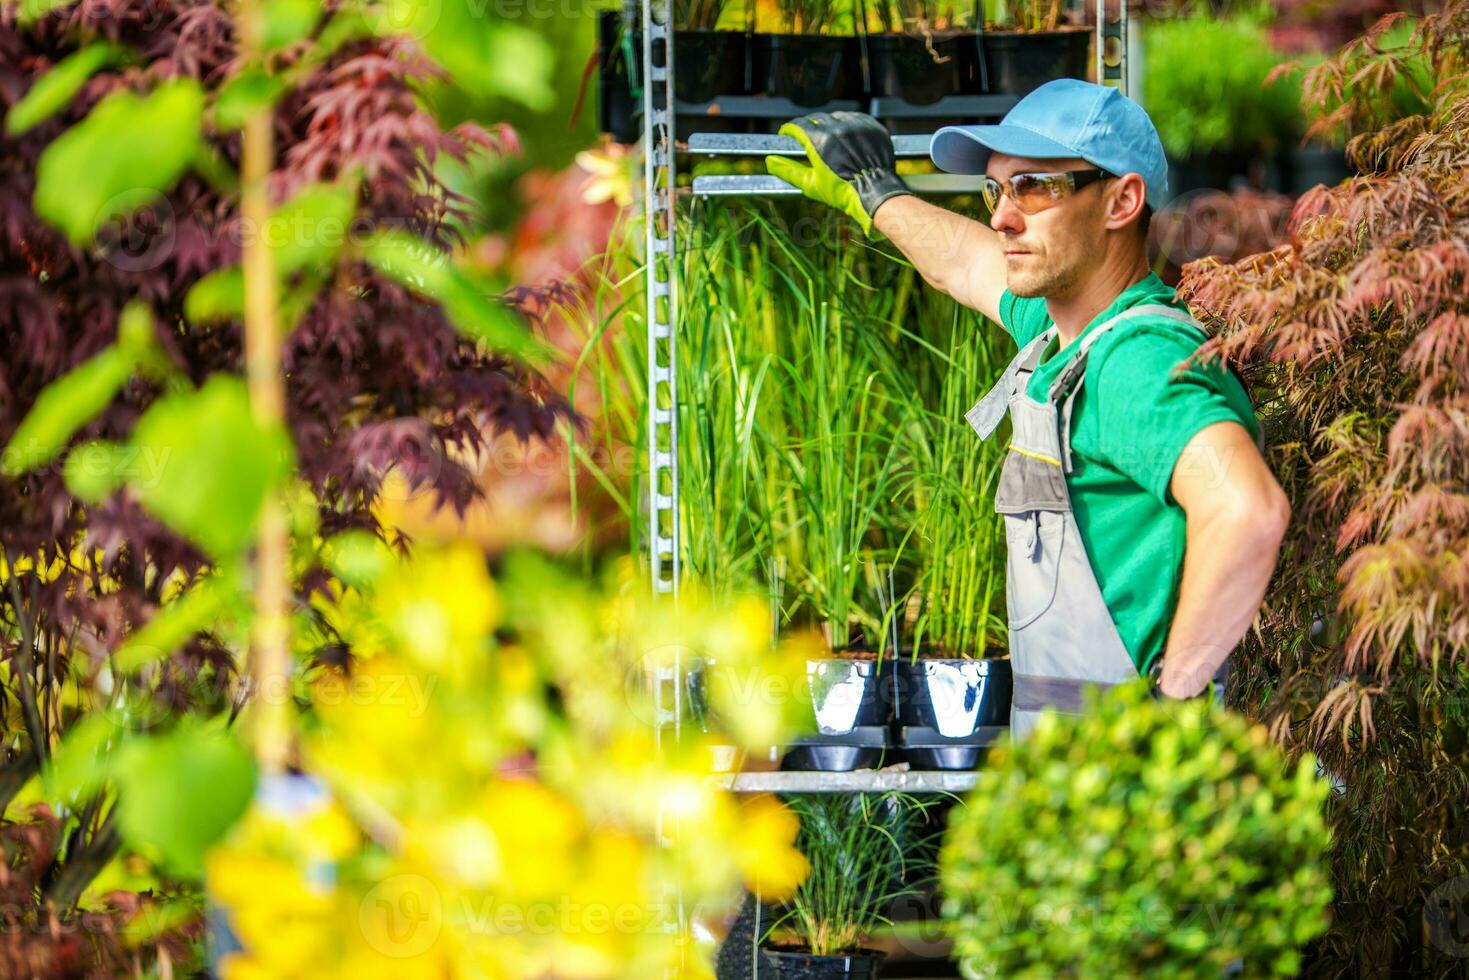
{"points": [[1141, 521]]}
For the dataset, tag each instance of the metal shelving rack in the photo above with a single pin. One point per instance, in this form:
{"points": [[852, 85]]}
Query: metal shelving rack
{"points": [[660, 199], [661, 248]]}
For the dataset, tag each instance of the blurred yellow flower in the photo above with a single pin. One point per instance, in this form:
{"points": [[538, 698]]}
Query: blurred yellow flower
{"points": [[766, 843], [609, 176], [505, 809], [440, 608]]}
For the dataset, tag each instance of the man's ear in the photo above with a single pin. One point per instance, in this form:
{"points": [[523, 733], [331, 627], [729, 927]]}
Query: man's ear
{"points": [[1126, 199]]}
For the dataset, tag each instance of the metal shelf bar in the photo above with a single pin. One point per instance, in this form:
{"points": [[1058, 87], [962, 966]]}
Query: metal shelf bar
{"points": [[759, 107], [948, 107], [753, 145], [764, 185], [857, 781]]}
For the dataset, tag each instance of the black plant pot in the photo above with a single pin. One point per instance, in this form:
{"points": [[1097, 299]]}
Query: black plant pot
{"points": [[918, 69], [852, 700], [708, 64], [950, 711], [1021, 61], [1217, 170], [1315, 164], [617, 111], [810, 70], [793, 964]]}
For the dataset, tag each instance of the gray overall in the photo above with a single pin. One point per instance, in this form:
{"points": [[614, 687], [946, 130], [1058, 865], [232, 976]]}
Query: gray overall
{"points": [[1062, 636]]}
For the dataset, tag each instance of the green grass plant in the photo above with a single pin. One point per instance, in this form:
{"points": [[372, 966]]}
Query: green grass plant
{"points": [[865, 850], [697, 15], [815, 16], [822, 389], [960, 545]]}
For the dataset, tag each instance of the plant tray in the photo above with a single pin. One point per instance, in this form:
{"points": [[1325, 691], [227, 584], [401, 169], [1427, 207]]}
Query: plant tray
{"points": [[860, 748], [926, 749]]}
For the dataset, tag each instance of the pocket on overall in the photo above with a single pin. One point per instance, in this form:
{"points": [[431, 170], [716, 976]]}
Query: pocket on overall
{"points": [[1034, 561]]}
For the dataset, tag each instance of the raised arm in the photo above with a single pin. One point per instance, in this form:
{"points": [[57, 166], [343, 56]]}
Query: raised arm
{"points": [[955, 254], [852, 168]]}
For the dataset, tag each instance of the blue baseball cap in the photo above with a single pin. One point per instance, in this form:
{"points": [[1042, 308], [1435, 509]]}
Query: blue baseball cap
{"points": [[1064, 118]]}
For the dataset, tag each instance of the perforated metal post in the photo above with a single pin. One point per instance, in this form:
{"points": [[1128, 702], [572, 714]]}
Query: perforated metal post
{"points": [[661, 287], [660, 281], [1112, 44]]}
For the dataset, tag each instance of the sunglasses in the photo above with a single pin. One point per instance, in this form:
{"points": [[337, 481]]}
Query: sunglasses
{"points": [[1036, 192]]}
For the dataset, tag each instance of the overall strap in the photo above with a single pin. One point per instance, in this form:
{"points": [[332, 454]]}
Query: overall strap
{"points": [[1067, 384], [986, 414]]}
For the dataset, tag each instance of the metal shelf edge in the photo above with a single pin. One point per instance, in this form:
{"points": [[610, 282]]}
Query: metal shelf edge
{"points": [[750, 144], [764, 185], [861, 780]]}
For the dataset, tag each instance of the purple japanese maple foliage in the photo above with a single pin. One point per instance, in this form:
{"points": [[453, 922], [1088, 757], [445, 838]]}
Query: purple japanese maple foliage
{"points": [[377, 377]]}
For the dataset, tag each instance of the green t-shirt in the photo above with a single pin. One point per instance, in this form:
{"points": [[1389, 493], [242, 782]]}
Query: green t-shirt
{"points": [[1130, 423]]}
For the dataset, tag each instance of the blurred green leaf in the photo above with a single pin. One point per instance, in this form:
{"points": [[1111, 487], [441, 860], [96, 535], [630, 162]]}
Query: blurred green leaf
{"points": [[96, 469], [248, 91], [288, 21], [217, 297], [357, 557], [518, 66], [212, 165], [63, 407], [137, 339], [307, 231], [54, 90], [424, 269], [82, 761], [216, 464], [135, 330], [483, 57], [33, 10], [129, 150], [179, 793]]}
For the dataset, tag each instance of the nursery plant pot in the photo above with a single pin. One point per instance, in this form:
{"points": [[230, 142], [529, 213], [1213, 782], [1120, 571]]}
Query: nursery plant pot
{"points": [[852, 701], [1315, 164], [708, 64], [950, 711], [1021, 61], [919, 69], [617, 111], [794, 964], [1217, 170], [810, 70]]}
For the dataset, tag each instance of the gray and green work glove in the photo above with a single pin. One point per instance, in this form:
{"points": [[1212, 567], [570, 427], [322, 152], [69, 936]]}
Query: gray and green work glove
{"points": [[853, 168]]}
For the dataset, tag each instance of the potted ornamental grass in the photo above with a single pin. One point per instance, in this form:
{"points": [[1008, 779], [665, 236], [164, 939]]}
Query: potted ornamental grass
{"points": [[954, 682], [865, 850], [813, 58], [1032, 45], [708, 61], [918, 52], [835, 446], [789, 459]]}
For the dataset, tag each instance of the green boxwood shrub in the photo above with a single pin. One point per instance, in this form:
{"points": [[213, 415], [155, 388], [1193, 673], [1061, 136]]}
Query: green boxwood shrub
{"points": [[1143, 838]]}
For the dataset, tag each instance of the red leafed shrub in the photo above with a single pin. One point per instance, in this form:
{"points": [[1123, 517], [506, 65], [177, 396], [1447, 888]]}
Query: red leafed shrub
{"points": [[377, 378], [1354, 337], [36, 941]]}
